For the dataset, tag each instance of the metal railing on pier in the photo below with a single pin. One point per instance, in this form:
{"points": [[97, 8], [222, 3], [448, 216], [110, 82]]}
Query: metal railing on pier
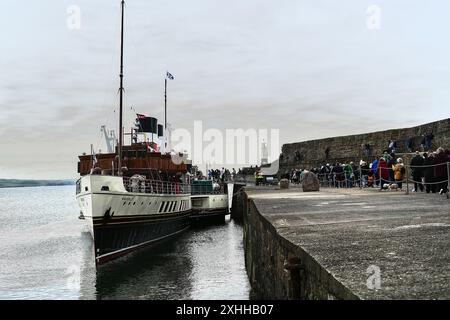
{"points": [[363, 178]]}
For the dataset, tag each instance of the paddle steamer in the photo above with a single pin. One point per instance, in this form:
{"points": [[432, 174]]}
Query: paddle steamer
{"points": [[135, 195]]}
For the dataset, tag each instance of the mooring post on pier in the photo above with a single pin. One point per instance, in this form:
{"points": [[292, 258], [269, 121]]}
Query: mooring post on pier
{"points": [[294, 266]]}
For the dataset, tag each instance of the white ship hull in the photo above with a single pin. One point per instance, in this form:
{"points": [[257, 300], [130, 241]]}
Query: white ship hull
{"points": [[121, 221], [209, 206]]}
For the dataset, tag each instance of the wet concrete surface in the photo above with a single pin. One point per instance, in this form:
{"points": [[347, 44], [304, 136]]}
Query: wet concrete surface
{"points": [[353, 233]]}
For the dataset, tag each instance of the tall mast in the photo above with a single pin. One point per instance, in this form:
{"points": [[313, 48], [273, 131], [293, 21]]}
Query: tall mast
{"points": [[165, 103], [165, 111], [121, 93]]}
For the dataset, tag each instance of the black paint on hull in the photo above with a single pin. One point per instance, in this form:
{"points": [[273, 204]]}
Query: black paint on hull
{"points": [[209, 215], [115, 237]]}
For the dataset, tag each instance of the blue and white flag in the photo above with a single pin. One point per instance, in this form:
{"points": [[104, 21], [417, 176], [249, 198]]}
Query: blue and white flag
{"points": [[169, 76]]}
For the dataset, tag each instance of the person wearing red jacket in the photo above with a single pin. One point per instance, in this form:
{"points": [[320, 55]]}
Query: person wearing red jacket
{"points": [[383, 172]]}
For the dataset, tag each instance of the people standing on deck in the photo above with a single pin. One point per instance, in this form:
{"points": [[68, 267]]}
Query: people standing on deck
{"points": [[176, 179], [417, 171]]}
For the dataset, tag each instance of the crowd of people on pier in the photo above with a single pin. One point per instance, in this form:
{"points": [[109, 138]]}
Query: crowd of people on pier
{"points": [[221, 175], [217, 175], [428, 171]]}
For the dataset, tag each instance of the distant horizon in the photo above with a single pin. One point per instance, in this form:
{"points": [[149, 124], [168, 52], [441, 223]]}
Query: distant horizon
{"points": [[20, 183], [14, 179], [76, 177]]}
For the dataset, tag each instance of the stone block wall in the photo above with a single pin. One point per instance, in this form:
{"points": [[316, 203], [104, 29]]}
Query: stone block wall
{"points": [[237, 201], [309, 154], [277, 269]]}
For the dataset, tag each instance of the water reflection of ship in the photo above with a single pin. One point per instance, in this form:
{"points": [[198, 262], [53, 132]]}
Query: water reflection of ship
{"points": [[155, 273], [87, 267], [136, 195]]}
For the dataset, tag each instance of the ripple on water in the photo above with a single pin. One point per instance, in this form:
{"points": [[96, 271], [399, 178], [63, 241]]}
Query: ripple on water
{"points": [[46, 253]]}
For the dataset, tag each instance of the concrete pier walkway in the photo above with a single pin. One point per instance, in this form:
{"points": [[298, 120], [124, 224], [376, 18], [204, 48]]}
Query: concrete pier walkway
{"points": [[342, 237]]}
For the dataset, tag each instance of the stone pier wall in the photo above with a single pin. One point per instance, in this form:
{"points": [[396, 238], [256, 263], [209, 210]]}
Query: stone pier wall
{"points": [[343, 149], [237, 202], [278, 269]]}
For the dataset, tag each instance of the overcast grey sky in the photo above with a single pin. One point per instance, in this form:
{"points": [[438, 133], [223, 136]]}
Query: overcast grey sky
{"points": [[309, 68]]}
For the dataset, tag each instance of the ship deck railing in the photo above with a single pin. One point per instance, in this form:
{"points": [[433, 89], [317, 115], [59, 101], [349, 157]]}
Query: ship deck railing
{"points": [[206, 190], [156, 186]]}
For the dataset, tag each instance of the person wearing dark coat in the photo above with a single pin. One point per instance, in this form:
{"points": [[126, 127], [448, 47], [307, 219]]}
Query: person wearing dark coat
{"points": [[391, 162], [339, 172], [429, 173], [440, 170], [417, 171], [364, 173]]}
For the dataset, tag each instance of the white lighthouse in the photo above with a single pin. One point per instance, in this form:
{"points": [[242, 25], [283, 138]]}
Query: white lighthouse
{"points": [[264, 154]]}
